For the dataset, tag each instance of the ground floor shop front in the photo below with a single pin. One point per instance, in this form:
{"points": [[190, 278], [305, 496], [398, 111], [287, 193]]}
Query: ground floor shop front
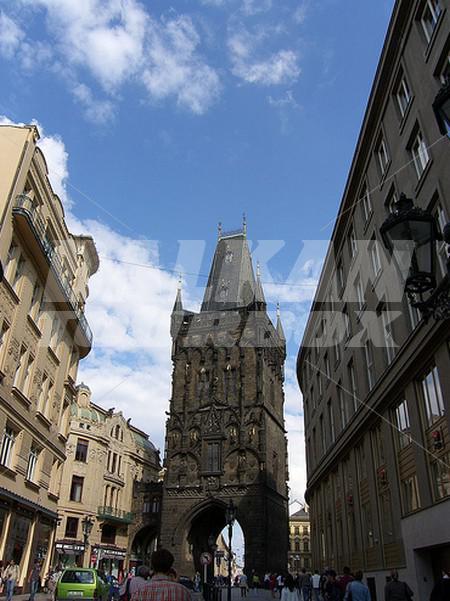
{"points": [[27, 533]]}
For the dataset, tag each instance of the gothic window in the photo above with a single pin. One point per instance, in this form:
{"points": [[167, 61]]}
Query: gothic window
{"points": [[213, 457], [252, 433], [230, 382], [203, 383]]}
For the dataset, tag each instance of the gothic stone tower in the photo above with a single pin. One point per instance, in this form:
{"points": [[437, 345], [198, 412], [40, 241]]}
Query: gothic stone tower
{"points": [[225, 436]]}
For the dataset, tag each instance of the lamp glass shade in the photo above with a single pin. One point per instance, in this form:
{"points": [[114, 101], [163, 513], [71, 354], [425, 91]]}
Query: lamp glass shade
{"points": [[410, 236]]}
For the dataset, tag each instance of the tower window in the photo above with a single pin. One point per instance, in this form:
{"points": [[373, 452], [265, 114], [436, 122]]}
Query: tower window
{"points": [[213, 457]]}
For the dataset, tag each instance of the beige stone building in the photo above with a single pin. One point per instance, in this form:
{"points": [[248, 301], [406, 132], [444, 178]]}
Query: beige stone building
{"points": [[110, 477], [299, 555], [43, 334]]}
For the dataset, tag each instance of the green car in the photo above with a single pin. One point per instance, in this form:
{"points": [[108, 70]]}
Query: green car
{"points": [[84, 584]]}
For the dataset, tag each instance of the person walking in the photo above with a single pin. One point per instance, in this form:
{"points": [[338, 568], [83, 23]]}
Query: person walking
{"points": [[306, 586], [331, 589], [34, 579], [396, 590], [289, 591], [441, 590], [10, 576], [345, 579], [273, 585], [357, 590], [315, 581], [161, 587], [243, 584]]}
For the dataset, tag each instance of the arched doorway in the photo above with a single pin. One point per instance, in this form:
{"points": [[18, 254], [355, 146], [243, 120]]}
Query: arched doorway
{"points": [[144, 543]]}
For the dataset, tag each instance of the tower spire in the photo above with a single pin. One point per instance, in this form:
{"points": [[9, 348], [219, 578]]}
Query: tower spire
{"points": [[178, 306], [244, 224], [260, 299], [279, 328]]}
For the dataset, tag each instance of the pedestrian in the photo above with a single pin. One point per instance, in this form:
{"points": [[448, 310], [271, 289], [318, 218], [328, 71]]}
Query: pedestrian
{"points": [[160, 586], [289, 592], [332, 589], [345, 579], [34, 579], [53, 577], [273, 585], [396, 590], [315, 581], [280, 583], [306, 586], [243, 584], [441, 590], [197, 582], [267, 580], [134, 583], [357, 590], [10, 576], [255, 580]]}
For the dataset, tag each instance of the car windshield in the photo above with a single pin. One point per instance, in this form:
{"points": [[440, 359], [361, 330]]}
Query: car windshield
{"points": [[79, 577]]}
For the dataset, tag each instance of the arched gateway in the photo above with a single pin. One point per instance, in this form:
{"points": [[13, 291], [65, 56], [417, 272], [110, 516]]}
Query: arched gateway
{"points": [[225, 437]]}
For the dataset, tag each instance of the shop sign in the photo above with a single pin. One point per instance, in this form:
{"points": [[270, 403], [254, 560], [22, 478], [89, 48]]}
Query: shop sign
{"points": [[68, 548]]}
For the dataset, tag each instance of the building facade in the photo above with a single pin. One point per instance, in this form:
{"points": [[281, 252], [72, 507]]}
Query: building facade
{"points": [[43, 334], [374, 376], [299, 555], [110, 477], [225, 436]]}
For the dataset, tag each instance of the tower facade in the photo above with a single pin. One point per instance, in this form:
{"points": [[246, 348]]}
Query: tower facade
{"points": [[225, 436]]}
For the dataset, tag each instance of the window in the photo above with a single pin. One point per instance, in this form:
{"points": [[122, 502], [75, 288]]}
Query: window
{"points": [[297, 546], [429, 18], [36, 300], [296, 530], [382, 156], [108, 534], [359, 293], [441, 218], [340, 278], [374, 257], [419, 153], [81, 450], [27, 378], [403, 95], [20, 367], [32, 462], [81, 577], [342, 405], [352, 383], [410, 494], [432, 395], [352, 244], [6, 451], [389, 343], [76, 489], [402, 424], [441, 476], [444, 75], [326, 361], [366, 203], [391, 199], [20, 267], [337, 348], [370, 366], [332, 437], [71, 528], [213, 457]]}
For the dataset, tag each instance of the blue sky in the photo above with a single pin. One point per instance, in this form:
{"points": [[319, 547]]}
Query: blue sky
{"points": [[162, 118]]}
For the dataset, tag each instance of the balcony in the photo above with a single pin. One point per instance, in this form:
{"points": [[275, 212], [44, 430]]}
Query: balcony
{"points": [[28, 219], [115, 515]]}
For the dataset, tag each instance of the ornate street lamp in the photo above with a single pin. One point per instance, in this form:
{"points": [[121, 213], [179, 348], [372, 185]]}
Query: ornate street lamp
{"points": [[230, 516], [441, 107], [86, 525], [410, 229]]}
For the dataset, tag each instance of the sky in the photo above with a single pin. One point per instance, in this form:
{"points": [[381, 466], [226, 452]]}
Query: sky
{"points": [[159, 120]]}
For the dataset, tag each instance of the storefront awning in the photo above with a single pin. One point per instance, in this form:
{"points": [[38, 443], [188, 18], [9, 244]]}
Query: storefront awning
{"points": [[11, 496]]}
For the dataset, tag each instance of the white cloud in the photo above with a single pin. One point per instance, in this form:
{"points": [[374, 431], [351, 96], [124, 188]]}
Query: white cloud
{"points": [[278, 68], [301, 12], [253, 7], [11, 36], [174, 67], [118, 43]]}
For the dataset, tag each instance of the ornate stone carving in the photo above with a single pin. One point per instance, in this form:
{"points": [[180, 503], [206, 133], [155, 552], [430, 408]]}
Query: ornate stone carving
{"points": [[212, 423]]}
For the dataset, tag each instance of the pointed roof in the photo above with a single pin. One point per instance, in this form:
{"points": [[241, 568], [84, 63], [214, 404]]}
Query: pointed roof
{"points": [[259, 292], [178, 306], [279, 327], [231, 282]]}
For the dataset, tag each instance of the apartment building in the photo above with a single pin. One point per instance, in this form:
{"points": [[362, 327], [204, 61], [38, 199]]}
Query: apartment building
{"points": [[43, 335], [299, 555], [111, 479], [374, 375]]}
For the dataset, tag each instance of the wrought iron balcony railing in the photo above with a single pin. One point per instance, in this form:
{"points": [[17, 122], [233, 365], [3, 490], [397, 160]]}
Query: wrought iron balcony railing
{"points": [[105, 512], [24, 206]]}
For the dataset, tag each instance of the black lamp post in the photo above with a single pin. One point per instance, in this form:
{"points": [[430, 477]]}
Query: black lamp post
{"points": [[230, 516], [441, 107], [86, 524], [410, 229]]}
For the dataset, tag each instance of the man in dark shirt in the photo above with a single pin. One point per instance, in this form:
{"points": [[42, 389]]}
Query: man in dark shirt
{"points": [[395, 590]]}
